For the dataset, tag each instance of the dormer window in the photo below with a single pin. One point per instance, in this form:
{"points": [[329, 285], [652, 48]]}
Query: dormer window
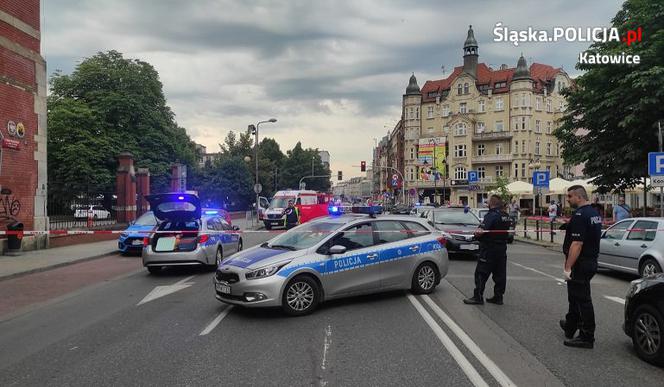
{"points": [[432, 94], [459, 89], [465, 88]]}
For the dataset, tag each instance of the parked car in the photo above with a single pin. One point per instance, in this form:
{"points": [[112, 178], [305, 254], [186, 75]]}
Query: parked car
{"points": [[418, 210], [131, 240], [97, 212], [186, 236], [401, 209], [459, 227], [644, 317], [633, 246]]}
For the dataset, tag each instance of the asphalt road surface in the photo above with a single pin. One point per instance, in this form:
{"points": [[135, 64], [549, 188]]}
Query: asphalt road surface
{"points": [[109, 322]]}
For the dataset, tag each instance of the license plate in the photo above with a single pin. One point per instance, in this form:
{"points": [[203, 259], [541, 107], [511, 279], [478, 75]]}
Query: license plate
{"points": [[137, 242], [223, 289], [469, 247]]}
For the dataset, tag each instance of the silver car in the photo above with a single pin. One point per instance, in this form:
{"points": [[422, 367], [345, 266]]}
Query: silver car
{"points": [[187, 235], [334, 257], [634, 245]]}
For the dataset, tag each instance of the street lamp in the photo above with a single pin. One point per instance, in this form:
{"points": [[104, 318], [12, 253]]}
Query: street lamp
{"points": [[535, 164], [271, 120]]}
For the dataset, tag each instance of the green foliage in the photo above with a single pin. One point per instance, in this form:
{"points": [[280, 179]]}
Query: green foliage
{"points": [[228, 184], [618, 104], [502, 190], [297, 164], [108, 105]]}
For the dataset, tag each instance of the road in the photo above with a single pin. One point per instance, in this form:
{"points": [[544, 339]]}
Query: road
{"points": [[127, 327]]}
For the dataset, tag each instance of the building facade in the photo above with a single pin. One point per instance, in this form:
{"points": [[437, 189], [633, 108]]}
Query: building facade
{"points": [[498, 122], [23, 172]]}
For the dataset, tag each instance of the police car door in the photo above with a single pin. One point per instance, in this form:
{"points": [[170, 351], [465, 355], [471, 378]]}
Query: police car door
{"points": [[397, 250], [357, 270], [229, 239]]}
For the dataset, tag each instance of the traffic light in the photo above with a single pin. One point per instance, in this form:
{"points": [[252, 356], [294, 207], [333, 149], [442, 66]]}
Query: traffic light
{"points": [[363, 166], [339, 176]]}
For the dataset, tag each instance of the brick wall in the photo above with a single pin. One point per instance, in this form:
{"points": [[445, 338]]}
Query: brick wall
{"points": [[25, 10]]}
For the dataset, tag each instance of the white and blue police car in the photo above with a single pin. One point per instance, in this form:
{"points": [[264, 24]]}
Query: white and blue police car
{"points": [[336, 256]]}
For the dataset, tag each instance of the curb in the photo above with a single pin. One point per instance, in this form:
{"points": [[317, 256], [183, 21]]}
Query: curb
{"points": [[55, 266]]}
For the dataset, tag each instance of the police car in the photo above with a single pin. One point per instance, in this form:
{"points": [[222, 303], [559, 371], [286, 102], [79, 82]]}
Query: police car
{"points": [[332, 257]]}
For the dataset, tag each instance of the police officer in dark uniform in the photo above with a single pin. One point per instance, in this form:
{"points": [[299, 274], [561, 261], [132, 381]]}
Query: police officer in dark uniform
{"points": [[581, 248], [292, 215], [492, 234]]}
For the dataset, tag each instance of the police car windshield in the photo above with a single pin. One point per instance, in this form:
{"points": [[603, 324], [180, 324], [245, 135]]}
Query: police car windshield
{"points": [[455, 217], [305, 236], [146, 219], [281, 202]]}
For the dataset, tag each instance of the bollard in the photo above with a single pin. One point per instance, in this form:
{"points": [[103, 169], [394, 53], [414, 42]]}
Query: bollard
{"points": [[551, 231], [525, 227], [537, 229]]}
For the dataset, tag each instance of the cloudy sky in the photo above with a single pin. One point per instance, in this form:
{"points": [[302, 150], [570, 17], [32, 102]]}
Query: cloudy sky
{"points": [[332, 72]]}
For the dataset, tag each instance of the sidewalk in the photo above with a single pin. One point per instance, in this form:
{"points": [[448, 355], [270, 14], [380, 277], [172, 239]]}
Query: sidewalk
{"points": [[40, 260]]}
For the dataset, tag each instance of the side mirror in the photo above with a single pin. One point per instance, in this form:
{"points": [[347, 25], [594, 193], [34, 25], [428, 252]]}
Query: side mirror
{"points": [[236, 228], [336, 249]]}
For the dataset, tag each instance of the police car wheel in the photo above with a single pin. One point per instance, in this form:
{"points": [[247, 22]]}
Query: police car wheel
{"points": [[218, 257], [648, 334], [301, 296], [424, 279]]}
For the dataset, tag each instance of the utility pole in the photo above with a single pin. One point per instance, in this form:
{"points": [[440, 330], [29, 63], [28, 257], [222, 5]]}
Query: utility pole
{"points": [[661, 189]]}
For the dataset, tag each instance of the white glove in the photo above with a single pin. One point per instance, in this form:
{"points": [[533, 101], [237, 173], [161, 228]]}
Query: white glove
{"points": [[567, 274]]}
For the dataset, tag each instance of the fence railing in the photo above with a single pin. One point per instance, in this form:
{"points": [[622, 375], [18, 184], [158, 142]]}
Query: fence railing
{"points": [[81, 210]]}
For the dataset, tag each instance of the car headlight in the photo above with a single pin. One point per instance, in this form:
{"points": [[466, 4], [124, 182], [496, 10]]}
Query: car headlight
{"points": [[634, 287], [124, 235], [265, 271]]}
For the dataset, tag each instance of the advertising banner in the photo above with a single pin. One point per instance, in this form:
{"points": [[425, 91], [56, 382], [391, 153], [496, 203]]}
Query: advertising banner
{"points": [[428, 147]]}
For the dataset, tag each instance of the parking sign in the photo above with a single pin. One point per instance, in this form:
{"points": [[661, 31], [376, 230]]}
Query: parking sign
{"points": [[656, 163], [541, 179], [472, 177]]}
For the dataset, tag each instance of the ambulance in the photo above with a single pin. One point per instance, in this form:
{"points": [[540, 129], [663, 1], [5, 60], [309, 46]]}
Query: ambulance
{"points": [[310, 205]]}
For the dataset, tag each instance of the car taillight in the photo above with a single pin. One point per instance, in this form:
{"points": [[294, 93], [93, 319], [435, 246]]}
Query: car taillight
{"points": [[442, 241], [146, 241], [203, 238]]}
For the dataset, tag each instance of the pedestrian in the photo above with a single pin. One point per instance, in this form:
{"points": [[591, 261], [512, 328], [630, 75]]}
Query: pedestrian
{"points": [[492, 234], [553, 211], [621, 211], [598, 207], [581, 247], [514, 210], [292, 216]]}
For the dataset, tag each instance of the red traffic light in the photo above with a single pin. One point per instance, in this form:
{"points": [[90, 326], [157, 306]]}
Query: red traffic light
{"points": [[363, 166]]}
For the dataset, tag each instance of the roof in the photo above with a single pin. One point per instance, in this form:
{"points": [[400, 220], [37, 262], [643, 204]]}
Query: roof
{"points": [[540, 73]]}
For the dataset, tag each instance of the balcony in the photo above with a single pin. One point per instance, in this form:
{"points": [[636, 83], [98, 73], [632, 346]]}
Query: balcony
{"points": [[488, 136], [492, 159]]}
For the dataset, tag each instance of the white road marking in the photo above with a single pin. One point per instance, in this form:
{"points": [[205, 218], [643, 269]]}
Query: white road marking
{"points": [[616, 299], [465, 365], [161, 291], [539, 272], [490, 366], [216, 320], [326, 347]]}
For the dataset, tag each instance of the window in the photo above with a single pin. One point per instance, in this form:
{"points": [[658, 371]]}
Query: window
{"points": [[459, 89], [548, 105], [462, 108], [548, 127], [430, 112], [479, 128], [417, 113], [499, 170], [460, 173], [499, 104], [411, 175], [308, 200], [527, 100], [412, 153], [516, 170], [618, 230], [460, 151], [390, 231], [499, 126], [538, 103], [523, 170], [481, 106], [548, 149], [499, 149], [538, 128], [515, 148], [465, 88], [410, 113], [523, 100], [537, 148], [644, 230], [356, 237], [523, 146], [481, 172], [446, 110], [480, 150], [416, 229], [460, 129], [523, 123]]}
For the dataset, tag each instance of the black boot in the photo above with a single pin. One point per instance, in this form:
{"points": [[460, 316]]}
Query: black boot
{"points": [[579, 342], [569, 332], [474, 300], [498, 300]]}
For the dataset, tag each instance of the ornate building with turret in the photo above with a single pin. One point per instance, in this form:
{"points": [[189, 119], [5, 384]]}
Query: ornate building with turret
{"points": [[497, 122]]}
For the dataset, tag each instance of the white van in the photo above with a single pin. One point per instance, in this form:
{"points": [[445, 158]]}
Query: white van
{"points": [[273, 215]]}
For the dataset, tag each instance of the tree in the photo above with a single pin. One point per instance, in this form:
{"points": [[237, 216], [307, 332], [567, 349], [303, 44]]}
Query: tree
{"points": [[619, 105], [107, 105], [298, 164], [269, 163], [228, 184], [502, 190]]}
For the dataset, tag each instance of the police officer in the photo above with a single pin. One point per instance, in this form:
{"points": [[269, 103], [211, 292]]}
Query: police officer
{"points": [[492, 234], [581, 247], [292, 215]]}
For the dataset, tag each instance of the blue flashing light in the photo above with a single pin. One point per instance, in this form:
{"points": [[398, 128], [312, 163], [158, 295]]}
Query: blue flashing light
{"points": [[211, 212], [334, 210], [180, 197]]}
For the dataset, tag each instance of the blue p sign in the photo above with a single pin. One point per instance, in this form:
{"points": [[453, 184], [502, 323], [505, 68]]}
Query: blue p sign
{"points": [[541, 178], [472, 176], [656, 163]]}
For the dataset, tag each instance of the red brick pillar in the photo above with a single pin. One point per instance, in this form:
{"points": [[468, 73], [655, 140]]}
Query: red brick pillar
{"points": [[142, 189], [178, 178], [126, 188]]}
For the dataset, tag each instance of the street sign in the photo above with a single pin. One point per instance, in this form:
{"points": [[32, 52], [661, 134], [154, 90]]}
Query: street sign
{"points": [[656, 164], [541, 179], [472, 177], [303, 185], [474, 187], [657, 181], [258, 188]]}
